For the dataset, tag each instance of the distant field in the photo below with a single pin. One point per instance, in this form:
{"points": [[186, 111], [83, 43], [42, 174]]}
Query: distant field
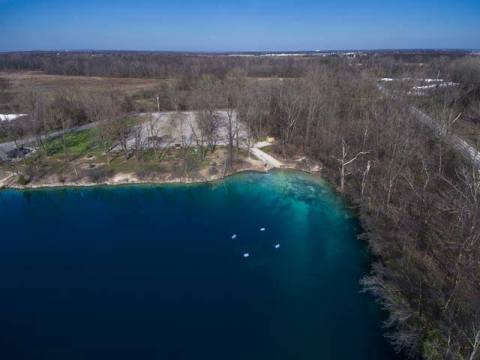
{"points": [[38, 80], [142, 90]]}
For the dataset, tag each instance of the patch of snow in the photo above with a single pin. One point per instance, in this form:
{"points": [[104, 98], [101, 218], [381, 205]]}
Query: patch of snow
{"points": [[432, 80], [10, 117], [419, 90], [284, 54], [424, 87], [433, 86], [449, 83]]}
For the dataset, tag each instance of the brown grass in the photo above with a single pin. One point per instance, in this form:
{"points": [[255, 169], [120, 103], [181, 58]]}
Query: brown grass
{"points": [[37, 80], [469, 131]]}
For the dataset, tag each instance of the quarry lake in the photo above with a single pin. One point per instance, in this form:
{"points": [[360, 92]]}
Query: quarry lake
{"points": [[258, 266]]}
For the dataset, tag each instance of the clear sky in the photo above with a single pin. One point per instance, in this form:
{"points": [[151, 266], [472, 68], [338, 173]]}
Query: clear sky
{"points": [[238, 25]]}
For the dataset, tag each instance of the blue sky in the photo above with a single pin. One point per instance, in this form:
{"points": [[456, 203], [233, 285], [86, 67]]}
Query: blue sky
{"points": [[238, 25]]}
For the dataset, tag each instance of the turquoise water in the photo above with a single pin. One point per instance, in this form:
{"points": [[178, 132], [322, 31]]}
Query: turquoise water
{"points": [[152, 272]]}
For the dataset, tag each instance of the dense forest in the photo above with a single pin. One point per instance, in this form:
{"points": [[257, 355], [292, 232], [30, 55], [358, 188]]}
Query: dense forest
{"points": [[417, 198]]}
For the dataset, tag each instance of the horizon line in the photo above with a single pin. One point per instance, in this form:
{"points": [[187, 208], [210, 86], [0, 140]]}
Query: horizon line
{"points": [[242, 51]]}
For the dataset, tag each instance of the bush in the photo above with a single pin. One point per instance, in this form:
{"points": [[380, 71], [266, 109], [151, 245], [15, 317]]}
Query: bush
{"points": [[149, 173], [466, 71], [99, 174], [23, 179], [212, 171]]}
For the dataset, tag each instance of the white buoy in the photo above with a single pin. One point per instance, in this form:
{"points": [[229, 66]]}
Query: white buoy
{"points": [[277, 246], [262, 229], [246, 255], [234, 236]]}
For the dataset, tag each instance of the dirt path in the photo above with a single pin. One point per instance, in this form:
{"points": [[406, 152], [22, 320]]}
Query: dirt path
{"points": [[263, 156], [4, 181]]}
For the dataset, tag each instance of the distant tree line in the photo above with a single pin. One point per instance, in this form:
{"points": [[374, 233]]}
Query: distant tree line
{"points": [[176, 65], [153, 65]]}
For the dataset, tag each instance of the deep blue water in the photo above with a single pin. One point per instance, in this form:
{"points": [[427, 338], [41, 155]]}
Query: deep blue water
{"points": [[152, 272]]}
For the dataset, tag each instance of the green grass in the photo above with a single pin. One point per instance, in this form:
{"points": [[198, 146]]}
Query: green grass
{"points": [[77, 144], [130, 121], [82, 151], [4, 138], [268, 149]]}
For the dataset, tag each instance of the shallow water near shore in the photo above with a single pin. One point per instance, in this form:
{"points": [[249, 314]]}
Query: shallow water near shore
{"points": [[154, 272]]}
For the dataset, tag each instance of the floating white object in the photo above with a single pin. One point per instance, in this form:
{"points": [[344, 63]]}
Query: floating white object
{"points": [[246, 255], [277, 246], [234, 236], [262, 229]]}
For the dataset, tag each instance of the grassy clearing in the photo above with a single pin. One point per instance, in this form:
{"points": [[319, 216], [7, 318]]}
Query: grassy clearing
{"points": [[52, 159], [78, 157], [79, 143], [24, 81], [74, 144]]}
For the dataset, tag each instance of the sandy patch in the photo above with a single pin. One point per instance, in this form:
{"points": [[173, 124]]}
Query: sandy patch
{"points": [[123, 178]]}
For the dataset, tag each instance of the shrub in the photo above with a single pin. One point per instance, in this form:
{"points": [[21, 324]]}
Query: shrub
{"points": [[212, 170], [99, 174], [23, 179]]}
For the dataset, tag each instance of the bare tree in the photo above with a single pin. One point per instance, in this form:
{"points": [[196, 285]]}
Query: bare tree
{"points": [[290, 106], [233, 85], [36, 105], [344, 162], [205, 131], [98, 111], [61, 112], [206, 99], [112, 128], [364, 177], [474, 341], [159, 140]]}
